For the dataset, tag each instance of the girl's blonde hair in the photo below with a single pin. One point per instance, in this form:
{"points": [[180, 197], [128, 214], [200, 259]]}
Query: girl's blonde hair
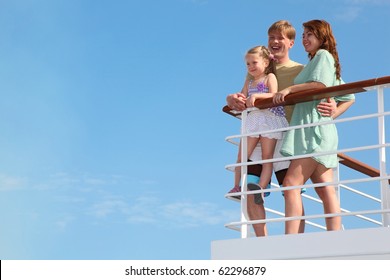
{"points": [[263, 52]]}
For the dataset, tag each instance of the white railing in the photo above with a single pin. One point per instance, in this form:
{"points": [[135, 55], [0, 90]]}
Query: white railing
{"points": [[377, 197]]}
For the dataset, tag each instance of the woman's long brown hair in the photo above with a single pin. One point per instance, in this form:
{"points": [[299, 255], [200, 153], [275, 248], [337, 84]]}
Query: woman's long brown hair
{"points": [[323, 32]]}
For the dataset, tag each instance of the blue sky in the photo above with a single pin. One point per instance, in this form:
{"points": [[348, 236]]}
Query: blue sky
{"points": [[112, 136]]}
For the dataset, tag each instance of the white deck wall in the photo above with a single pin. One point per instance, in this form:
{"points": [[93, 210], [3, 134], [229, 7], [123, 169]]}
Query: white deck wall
{"points": [[373, 243]]}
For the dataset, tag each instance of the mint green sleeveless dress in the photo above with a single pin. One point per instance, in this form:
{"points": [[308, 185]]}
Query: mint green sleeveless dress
{"points": [[321, 138]]}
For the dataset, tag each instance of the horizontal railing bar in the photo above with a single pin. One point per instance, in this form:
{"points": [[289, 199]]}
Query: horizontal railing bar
{"points": [[282, 215], [320, 202], [238, 228], [363, 217], [308, 186], [277, 159], [273, 220], [360, 193], [336, 121]]}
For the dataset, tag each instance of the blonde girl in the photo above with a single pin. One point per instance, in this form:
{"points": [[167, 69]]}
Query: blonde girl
{"points": [[260, 80]]}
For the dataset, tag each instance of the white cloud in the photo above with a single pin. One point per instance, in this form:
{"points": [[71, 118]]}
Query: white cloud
{"points": [[96, 197], [83, 182], [150, 209], [352, 9], [370, 2], [200, 2], [9, 183], [349, 14], [63, 222], [108, 207], [190, 214], [144, 209], [148, 182]]}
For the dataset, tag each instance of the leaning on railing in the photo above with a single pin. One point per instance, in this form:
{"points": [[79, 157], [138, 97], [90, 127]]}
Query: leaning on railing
{"points": [[379, 216]]}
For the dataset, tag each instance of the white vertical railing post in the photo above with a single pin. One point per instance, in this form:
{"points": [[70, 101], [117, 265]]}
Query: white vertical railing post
{"points": [[244, 160], [385, 191]]}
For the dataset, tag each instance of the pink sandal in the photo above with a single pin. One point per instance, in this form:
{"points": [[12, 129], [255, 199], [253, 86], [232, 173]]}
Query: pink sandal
{"points": [[234, 190]]}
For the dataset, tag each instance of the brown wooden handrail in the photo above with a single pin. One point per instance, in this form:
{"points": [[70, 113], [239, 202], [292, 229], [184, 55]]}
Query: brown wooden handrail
{"points": [[317, 94], [359, 166]]}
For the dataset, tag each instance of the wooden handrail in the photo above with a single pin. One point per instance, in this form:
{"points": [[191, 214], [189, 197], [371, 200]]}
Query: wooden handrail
{"points": [[359, 166], [317, 94]]}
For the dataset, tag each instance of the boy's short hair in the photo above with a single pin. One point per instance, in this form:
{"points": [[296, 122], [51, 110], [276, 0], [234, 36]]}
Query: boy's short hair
{"points": [[284, 27]]}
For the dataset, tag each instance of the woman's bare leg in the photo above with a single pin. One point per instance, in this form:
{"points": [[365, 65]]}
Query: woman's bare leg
{"points": [[328, 196], [298, 173]]}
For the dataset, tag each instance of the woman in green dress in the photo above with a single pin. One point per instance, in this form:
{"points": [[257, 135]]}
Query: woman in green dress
{"points": [[323, 70]]}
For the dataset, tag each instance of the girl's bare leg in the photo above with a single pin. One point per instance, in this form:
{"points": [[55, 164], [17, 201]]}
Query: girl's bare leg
{"points": [[251, 145], [237, 170], [267, 150]]}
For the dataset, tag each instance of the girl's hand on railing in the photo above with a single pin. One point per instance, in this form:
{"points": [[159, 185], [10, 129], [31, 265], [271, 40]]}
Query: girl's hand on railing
{"points": [[236, 101], [250, 102]]}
